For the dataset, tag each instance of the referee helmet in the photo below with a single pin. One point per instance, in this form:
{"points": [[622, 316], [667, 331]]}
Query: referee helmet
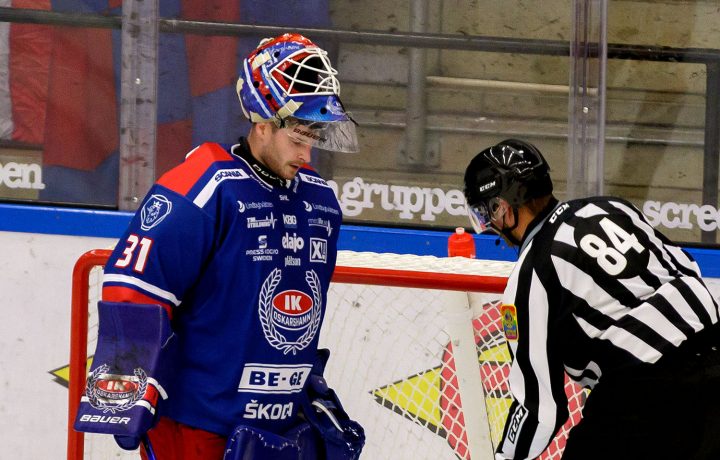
{"points": [[513, 170]]}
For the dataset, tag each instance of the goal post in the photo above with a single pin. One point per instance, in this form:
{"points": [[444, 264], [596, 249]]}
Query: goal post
{"points": [[418, 354]]}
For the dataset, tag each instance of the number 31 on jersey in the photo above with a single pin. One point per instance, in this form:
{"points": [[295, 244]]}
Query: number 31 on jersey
{"points": [[133, 241]]}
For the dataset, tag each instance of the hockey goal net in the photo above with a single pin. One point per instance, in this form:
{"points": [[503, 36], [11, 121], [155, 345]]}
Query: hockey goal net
{"points": [[418, 355]]}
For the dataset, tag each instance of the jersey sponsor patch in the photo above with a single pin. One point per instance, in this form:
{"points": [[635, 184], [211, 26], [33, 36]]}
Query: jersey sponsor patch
{"points": [[318, 250], [322, 223], [313, 180], [509, 321], [244, 206], [263, 222], [156, 208], [260, 411], [272, 378], [219, 177]]}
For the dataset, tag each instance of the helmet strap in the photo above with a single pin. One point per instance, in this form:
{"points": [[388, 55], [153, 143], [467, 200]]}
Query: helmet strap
{"points": [[507, 231]]}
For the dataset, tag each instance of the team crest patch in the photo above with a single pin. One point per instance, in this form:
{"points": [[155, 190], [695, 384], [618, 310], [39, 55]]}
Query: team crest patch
{"points": [[290, 319], [156, 208], [509, 321], [115, 393]]}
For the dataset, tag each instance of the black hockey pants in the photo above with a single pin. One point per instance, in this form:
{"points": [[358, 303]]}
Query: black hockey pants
{"points": [[666, 411]]}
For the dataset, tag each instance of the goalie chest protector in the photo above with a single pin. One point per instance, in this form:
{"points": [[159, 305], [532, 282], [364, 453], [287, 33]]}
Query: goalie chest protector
{"points": [[244, 260]]}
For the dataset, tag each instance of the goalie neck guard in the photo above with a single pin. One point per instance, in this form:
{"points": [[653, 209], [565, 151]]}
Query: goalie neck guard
{"points": [[289, 80]]}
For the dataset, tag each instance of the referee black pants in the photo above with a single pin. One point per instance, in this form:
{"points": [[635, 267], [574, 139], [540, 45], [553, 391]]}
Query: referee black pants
{"points": [[666, 411]]}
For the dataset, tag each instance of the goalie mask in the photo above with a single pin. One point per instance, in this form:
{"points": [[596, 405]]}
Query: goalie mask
{"points": [[514, 171], [288, 80]]}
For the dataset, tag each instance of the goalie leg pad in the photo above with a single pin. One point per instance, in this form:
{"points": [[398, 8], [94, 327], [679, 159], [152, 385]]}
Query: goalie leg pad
{"points": [[131, 359]]}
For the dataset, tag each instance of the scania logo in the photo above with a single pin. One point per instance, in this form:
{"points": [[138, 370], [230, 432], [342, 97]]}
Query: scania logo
{"points": [[229, 173], [155, 210]]}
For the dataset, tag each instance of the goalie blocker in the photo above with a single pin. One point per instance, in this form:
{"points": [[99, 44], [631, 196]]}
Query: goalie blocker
{"points": [[131, 359], [328, 433]]}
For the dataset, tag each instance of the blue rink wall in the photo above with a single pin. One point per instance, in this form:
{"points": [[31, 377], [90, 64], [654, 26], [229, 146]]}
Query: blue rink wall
{"points": [[111, 224]]}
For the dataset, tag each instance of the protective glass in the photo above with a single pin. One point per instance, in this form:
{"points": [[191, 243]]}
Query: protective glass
{"points": [[334, 136], [482, 214]]}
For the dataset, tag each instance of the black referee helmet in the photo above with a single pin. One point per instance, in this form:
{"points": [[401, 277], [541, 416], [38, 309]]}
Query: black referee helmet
{"points": [[513, 170]]}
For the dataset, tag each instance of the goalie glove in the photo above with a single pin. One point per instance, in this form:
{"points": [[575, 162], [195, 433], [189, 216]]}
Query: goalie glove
{"points": [[123, 387], [342, 437]]}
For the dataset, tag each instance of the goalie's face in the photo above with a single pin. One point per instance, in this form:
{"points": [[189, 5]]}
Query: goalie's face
{"points": [[281, 152]]}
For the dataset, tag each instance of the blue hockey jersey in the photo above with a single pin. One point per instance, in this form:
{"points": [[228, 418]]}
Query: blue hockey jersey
{"points": [[242, 259]]}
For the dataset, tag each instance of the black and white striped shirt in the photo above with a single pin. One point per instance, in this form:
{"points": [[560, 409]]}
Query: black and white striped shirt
{"points": [[596, 289]]}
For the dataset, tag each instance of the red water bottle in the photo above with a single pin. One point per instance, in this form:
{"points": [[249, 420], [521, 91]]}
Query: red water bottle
{"points": [[461, 244]]}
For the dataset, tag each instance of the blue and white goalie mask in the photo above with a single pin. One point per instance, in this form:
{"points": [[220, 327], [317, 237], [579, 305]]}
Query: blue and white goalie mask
{"points": [[288, 80]]}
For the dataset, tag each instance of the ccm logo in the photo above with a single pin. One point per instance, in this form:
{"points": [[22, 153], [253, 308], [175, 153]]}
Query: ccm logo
{"points": [[558, 211], [515, 423], [482, 188]]}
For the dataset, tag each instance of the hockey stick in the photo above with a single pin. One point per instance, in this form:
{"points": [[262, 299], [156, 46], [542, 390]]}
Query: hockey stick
{"points": [[148, 447]]}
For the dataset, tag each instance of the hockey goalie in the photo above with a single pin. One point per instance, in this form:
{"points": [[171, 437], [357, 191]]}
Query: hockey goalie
{"points": [[214, 297]]}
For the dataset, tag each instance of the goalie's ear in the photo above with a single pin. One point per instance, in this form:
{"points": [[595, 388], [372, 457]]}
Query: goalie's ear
{"points": [[133, 356]]}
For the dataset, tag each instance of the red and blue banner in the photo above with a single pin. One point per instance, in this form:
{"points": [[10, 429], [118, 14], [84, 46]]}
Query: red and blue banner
{"points": [[60, 88]]}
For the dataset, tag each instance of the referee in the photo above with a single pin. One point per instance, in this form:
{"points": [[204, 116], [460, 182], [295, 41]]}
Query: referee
{"points": [[599, 294]]}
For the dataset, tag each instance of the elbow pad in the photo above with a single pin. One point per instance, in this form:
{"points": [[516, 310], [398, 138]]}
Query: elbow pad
{"points": [[132, 358]]}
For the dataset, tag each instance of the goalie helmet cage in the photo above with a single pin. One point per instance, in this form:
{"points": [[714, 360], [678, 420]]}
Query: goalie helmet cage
{"points": [[418, 355]]}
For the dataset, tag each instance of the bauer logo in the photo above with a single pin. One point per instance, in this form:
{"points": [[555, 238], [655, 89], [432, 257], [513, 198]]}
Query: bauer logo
{"points": [[156, 209], [105, 419]]}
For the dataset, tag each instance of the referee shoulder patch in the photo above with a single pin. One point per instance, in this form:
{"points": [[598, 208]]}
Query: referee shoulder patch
{"points": [[509, 321]]}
